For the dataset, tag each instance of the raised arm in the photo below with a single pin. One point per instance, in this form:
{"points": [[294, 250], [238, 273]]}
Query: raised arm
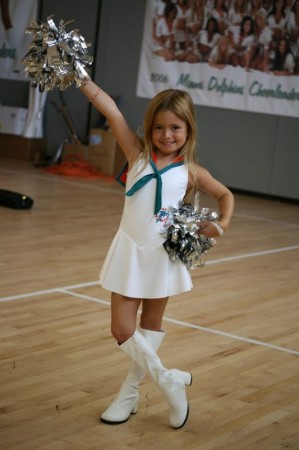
{"points": [[128, 141]]}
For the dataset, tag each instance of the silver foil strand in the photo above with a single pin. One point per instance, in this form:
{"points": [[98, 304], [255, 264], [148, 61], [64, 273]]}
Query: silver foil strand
{"points": [[183, 238], [56, 58]]}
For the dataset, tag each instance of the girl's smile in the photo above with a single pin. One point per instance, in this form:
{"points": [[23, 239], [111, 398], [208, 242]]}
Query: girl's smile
{"points": [[169, 133]]}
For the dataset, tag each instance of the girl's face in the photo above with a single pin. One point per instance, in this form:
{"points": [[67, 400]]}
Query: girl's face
{"points": [[279, 4], [223, 44], [260, 21], [247, 26], [169, 133], [171, 14], [282, 46], [211, 26]]}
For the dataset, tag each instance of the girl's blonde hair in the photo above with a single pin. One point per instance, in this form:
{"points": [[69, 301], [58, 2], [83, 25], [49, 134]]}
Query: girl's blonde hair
{"points": [[222, 56], [179, 103]]}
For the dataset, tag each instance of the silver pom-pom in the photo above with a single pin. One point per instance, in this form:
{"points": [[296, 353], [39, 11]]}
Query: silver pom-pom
{"points": [[183, 238], [56, 58]]}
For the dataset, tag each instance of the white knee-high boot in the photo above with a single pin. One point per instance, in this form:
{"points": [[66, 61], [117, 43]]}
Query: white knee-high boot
{"points": [[126, 401], [171, 382]]}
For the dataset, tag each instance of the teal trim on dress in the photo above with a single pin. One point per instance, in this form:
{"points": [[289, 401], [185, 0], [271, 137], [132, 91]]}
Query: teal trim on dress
{"points": [[157, 175]]}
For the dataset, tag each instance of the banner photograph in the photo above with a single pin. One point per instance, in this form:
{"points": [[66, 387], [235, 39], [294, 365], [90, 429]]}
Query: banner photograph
{"points": [[233, 54], [16, 16]]}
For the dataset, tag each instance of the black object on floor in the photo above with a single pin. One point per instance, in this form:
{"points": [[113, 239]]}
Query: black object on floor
{"points": [[15, 200]]}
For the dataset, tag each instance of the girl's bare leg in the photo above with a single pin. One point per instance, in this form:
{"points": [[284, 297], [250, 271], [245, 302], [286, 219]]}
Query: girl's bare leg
{"points": [[123, 316], [152, 313]]}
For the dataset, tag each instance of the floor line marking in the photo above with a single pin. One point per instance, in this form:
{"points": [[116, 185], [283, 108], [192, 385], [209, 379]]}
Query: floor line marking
{"points": [[233, 336], [197, 327], [103, 189], [263, 219], [63, 181], [47, 291], [94, 283], [85, 297], [253, 254]]}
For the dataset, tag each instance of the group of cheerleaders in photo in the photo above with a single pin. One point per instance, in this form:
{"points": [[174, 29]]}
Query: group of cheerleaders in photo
{"points": [[258, 35]]}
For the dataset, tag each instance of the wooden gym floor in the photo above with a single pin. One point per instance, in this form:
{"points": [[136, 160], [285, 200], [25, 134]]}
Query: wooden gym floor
{"points": [[237, 330]]}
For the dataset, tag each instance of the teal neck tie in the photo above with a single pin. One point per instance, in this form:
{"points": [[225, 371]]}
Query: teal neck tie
{"points": [[144, 180]]}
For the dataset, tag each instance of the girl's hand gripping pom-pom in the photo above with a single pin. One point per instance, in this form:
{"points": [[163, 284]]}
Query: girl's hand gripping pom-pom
{"points": [[56, 58], [183, 238]]}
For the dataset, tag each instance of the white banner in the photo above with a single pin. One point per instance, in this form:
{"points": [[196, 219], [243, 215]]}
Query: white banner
{"points": [[181, 50], [16, 16]]}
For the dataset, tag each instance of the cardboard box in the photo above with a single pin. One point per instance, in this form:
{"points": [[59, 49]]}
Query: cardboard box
{"points": [[19, 147], [105, 155], [12, 120], [70, 150], [104, 152]]}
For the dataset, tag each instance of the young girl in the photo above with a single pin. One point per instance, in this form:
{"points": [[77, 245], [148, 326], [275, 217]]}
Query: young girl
{"points": [[221, 53], [208, 38], [242, 40], [164, 34], [220, 13], [283, 62], [263, 37], [137, 269], [277, 19]]}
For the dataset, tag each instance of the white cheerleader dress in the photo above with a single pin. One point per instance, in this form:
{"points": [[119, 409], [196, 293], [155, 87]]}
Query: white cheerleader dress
{"points": [[137, 265]]}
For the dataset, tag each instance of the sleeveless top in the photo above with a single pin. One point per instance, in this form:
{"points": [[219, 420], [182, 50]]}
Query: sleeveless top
{"points": [[137, 265]]}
